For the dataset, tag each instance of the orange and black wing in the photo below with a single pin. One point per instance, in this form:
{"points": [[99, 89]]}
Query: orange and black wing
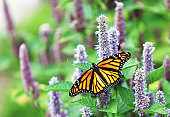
{"points": [[89, 82], [110, 68], [96, 82]]}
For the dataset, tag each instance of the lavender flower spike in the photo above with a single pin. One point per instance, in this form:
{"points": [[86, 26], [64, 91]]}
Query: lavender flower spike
{"points": [[120, 22], [57, 13], [103, 41], [54, 105], [167, 68], [113, 35], [44, 32], [148, 57], [79, 19], [160, 98], [141, 100], [105, 98], [81, 57], [25, 69], [86, 112]]}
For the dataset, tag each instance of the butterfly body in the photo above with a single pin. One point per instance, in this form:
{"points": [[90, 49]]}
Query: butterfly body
{"points": [[99, 77]]}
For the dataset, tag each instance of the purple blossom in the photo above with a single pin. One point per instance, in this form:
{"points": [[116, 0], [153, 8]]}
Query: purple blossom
{"points": [[160, 98], [57, 46], [166, 68], [151, 97], [104, 98], [54, 105], [11, 29], [141, 100], [86, 112], [26, 73], [79, 20], [103, 41], [167, 4], [81, 57], [25, 69], [112, 36], [148, 57], [120, 22], [44, 32], [57, 13]]}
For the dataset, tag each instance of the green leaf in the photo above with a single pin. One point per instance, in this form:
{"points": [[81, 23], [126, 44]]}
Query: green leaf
{"points": [[167, 99], [59, 86], [127, 96], [111, 107], [86, 101], [82, 66], [129, 72], [131, 63], [165, 86], [122, 108], [156, 107], [155, 75]]}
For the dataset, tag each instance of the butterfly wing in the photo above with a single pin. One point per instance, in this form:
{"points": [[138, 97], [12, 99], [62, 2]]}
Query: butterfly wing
{"points": [[89, 82], [110, 68], [96, 82]]}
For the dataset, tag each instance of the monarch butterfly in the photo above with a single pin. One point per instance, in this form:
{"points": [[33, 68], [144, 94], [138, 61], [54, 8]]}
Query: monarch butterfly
{"points": [[99, 77]]}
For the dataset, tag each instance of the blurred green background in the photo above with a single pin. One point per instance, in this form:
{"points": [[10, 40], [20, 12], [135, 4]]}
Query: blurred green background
{"points": [[150, 22]]}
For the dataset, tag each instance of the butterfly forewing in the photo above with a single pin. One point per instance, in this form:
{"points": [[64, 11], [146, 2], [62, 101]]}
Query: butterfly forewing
{"points": [[108, 74]]}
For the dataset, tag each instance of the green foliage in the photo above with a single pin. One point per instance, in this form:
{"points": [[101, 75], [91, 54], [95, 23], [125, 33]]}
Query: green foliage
{"points": [[165, 86], [59, 86], [87, 101], [155, 75], [112, 106], [127, 96], [156, 107]]}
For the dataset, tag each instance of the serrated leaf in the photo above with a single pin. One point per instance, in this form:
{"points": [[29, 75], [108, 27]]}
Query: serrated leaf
{"points": [[130, 64], [127, 96], [59, 86], [86, 101], [122, 108], [156, 107], [82, 66], [111, 107], [155, 75], [165, 86]]}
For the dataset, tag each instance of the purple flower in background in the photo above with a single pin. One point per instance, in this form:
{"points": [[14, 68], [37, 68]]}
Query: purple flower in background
{"points": [[160, 98], [11, 29], [104, 98], [141, 100], [103, 50], [57, 13], [57, 46], [148, 57], [79, 20], [120, 22], [86, 112], [54, 105], [167, 4], [167, 68], [44, 32], [26, 73], [113, 35], [81, 57]]}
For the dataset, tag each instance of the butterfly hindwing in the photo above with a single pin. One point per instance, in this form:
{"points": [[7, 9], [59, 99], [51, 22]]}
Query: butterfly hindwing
{"points": [[106, 73]]}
